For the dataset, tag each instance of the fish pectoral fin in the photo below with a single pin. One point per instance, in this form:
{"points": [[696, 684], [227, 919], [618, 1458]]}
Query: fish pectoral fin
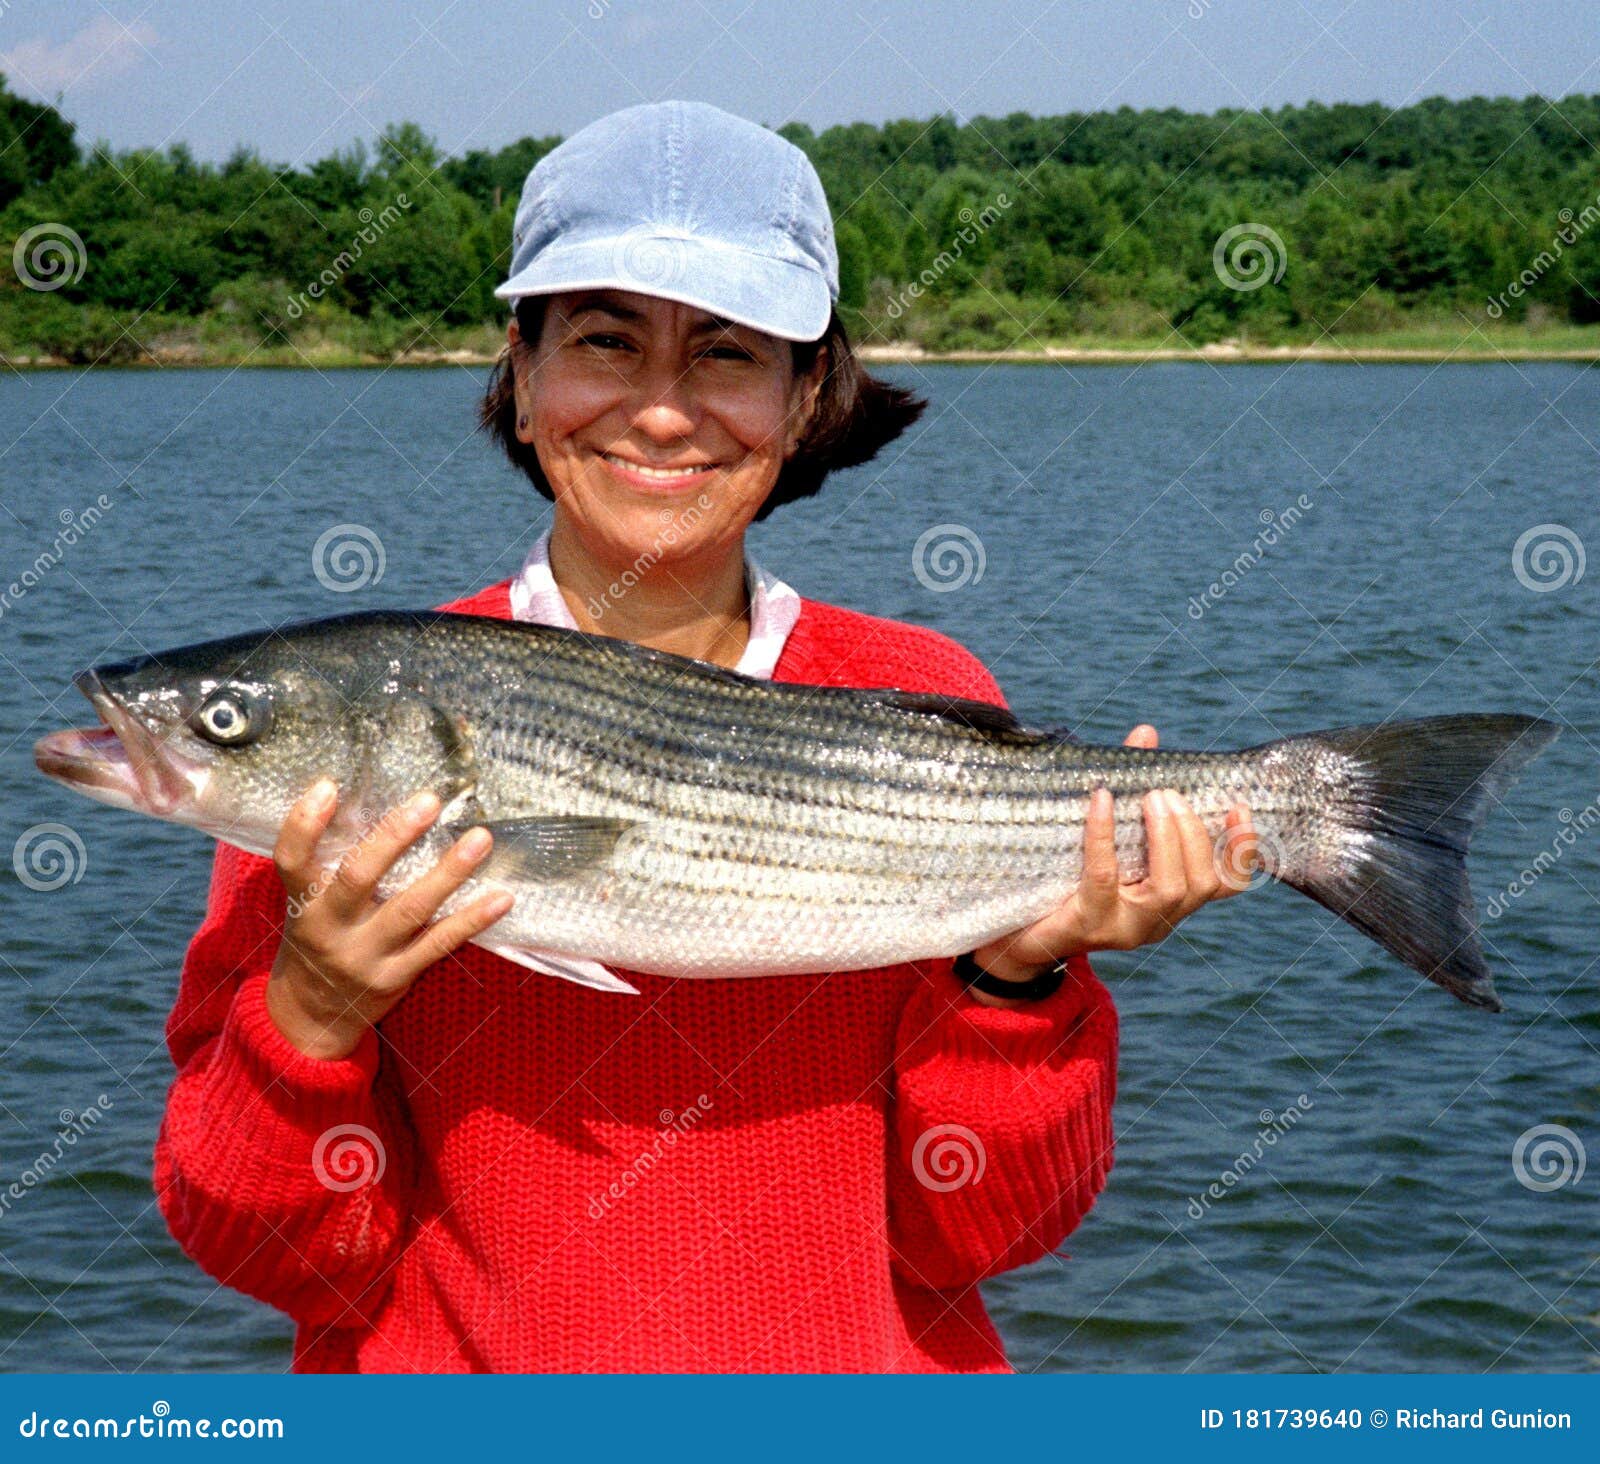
{"points": [[568, 968], [550, 848]]}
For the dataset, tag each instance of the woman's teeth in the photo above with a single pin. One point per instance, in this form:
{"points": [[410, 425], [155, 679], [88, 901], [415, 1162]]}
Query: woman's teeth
{"points": [[643, 471]]}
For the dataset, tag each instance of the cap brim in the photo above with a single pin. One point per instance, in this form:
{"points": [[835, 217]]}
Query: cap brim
{"points": [[785, 300]]}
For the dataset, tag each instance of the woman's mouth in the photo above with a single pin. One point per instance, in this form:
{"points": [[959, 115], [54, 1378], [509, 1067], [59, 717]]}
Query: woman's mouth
{"points": [[644, 475]]}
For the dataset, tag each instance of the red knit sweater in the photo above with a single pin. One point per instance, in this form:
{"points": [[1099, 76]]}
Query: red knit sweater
{"points": [[791, 1173]]}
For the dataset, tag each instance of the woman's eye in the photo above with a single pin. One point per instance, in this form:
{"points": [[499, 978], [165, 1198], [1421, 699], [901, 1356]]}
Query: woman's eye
{"points": [[729, 353], [603, 341]]}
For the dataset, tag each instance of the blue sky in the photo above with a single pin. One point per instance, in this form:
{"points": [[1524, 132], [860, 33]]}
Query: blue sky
{"points": [[296, 78]]}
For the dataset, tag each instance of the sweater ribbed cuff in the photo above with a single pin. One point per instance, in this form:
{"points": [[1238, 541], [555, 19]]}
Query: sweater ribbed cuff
{"points": [[1022, 1032], [255, 1062]]}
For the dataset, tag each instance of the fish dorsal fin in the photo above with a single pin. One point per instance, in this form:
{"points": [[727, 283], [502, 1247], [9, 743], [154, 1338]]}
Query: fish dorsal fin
{"points": [[980, 716]]}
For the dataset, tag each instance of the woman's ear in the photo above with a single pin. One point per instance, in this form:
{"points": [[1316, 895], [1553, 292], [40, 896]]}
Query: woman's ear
{"points": [[811, 394], [521, 381]]}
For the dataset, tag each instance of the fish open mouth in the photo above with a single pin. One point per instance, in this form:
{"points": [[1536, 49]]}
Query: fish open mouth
{"points": [[120, 761]]}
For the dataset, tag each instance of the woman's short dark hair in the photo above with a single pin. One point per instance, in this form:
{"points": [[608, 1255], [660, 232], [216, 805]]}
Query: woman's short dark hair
{"points": [[856, 414]]}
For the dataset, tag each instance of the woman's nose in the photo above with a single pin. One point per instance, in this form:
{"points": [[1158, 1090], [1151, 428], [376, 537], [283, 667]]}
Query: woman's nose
{"points": [[664, 405]]}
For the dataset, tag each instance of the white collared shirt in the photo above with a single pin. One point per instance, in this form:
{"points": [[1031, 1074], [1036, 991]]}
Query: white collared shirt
{"points": [[774, 607]]}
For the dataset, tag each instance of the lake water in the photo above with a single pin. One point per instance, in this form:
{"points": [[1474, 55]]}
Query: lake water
{"points": [[1387, 1226]]}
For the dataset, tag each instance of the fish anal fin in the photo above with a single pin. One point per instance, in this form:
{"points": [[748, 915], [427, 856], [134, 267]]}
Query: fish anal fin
{"points": [[567, 968]]}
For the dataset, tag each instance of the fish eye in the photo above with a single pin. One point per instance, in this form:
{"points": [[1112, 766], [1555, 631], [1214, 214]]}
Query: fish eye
{"points": [[231, 716]]}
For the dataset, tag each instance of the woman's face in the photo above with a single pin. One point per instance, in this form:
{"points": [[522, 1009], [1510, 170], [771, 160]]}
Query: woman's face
{"points": [[661, 428]]}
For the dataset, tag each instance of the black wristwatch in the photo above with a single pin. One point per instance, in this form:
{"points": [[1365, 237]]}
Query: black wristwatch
{"points": [[1035, 988]]}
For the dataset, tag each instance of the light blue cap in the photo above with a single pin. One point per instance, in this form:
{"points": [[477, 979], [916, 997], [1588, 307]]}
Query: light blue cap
{"points": [[687, 202]]}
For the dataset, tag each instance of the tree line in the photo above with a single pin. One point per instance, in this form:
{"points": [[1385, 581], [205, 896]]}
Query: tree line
{"points": [[1290, 224]]}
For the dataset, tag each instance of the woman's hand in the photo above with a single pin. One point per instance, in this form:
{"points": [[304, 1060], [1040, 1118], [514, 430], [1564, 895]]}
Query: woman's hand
{"points": [[346, 959], [1102, 914]]}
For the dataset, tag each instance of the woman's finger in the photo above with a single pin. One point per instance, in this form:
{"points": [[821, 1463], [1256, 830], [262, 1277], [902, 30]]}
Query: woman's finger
{"points": [[454, 931], [1144, 735], [356, 879], [1164, 879], [1097, 885], [1236, 855], [1199, 856], [399, 919], [301, 832]]}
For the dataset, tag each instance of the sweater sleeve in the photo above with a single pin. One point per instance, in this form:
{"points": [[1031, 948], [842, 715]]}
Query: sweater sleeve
{"points": [[1002, 1126], [282, 1175]]}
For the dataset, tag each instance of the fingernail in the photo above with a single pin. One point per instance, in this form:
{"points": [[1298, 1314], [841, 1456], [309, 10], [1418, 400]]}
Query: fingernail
{"points": [[474, 844], [423, 805], [323, 792]]}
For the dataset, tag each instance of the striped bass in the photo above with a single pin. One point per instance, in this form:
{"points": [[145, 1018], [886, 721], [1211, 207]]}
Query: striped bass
{"points": [[664, 815]]}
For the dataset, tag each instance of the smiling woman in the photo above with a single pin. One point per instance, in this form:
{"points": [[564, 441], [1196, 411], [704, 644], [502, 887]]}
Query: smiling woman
{"points": [[868, 1146]]}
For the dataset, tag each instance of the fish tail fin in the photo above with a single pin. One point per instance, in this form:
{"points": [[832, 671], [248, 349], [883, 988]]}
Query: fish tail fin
{"points": [[1399, 804]]}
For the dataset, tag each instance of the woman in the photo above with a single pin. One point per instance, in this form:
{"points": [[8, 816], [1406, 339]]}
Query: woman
{"points": [[434, 1160]]}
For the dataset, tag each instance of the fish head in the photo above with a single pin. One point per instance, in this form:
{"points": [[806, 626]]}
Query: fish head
{"points": [[227, 735]]}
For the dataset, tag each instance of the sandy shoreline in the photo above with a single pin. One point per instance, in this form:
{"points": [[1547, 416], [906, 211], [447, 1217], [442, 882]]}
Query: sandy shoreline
{"points": [[1217, 353]]}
